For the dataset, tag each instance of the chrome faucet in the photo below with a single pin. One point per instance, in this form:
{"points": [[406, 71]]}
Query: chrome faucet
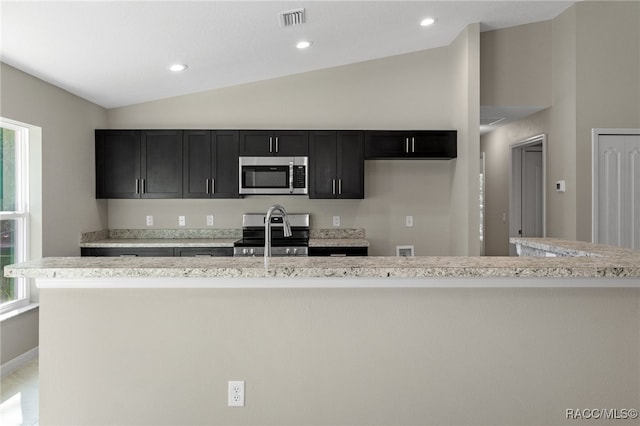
{"points": [[267, 230]]}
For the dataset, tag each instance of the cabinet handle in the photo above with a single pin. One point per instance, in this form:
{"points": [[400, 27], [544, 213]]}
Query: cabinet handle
{"points": [[213, 186], [413, 144], [270, 144], [144, 185], [206, 186], [406, 145], [333, 191], [137, 186], [340, 186], [276, 144]]}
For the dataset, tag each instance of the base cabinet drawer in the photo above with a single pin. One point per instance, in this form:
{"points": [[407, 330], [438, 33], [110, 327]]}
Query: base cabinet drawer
{"points": [[204, 251], [158, 251], [338, 251], [126, 252]]}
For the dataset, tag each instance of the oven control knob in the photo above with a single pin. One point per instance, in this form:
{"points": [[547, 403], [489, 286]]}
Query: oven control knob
{"points": [[252, 252], [245, 251], [295, 251], [288, 251]]}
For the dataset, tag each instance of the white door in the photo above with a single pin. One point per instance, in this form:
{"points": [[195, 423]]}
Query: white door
{"points": [[616, 188]]}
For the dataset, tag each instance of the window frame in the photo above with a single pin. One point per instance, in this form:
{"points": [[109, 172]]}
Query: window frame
{"points": [[20, 213]]}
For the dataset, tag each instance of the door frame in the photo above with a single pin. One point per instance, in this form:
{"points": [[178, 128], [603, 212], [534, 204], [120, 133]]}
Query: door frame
{"points": [[595, 148], [515, 188]]}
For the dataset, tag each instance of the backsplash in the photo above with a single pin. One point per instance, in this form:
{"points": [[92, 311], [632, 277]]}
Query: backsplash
{"points": [[123, 234]]}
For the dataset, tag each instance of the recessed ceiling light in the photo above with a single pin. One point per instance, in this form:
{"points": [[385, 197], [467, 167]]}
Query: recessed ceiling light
{"points": [[178, 67], [303, 44], [427, 21]]}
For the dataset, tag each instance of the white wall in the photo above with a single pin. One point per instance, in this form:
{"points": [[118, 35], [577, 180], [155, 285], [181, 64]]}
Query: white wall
{"points": [[495, 145], [411, 91], [365, 356], [69, 206], [595, 63], [465, 114], [62, 179]]}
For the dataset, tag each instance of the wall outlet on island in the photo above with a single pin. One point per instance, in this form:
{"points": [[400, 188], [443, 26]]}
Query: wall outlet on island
{"points": [[409, 221], [210, 220], [236, 393], [336, 221], [181, 221], [149, 220]]}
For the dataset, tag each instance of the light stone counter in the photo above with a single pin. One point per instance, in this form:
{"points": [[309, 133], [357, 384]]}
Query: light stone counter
{"points": [[177, 238], [338, 242], [160, 242]]}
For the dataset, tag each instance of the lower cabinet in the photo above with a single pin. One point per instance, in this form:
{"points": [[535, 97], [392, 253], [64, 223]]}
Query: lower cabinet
{"points": [[204, 251], [338, 251], [157, 251]]}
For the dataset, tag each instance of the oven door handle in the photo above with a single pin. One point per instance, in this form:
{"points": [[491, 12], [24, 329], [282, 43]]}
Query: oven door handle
{"points": [[291, 177]]}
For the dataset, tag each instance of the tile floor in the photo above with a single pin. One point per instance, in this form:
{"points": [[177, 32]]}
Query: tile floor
{"points": [[19, 396]]}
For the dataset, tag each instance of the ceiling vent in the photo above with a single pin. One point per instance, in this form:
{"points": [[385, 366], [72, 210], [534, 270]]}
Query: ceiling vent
{"points": [[292, 17], [487, 121]]}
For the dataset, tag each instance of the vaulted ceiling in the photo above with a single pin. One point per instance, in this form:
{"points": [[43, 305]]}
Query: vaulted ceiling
{"points": [[117, 53]]}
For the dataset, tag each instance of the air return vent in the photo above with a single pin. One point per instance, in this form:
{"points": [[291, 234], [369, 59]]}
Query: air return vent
{"points": [[292, 17]]}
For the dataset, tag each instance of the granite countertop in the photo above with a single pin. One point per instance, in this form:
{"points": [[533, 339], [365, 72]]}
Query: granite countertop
{"points": [[210, 242], [340, 237], [160, 242], [618, 263]]}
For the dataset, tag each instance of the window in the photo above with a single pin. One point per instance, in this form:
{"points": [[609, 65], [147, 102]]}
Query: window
{"points": [[14, 212]]}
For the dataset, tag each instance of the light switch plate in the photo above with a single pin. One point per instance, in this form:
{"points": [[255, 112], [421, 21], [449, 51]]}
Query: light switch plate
{"points": [[181, 221], [210, 220], [149, 220], [409, 221]]}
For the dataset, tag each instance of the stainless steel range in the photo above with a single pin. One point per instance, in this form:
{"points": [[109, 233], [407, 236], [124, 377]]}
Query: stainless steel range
{"points": [[253, 233]]}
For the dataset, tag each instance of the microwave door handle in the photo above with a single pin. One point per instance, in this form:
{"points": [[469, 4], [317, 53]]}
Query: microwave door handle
{"points": [[290, 176]]}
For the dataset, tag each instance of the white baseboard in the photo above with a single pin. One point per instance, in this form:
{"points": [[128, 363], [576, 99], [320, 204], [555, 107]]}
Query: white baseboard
{"points": [[17, 362]]}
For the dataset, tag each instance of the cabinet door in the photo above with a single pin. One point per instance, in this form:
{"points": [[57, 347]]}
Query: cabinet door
{"points": [[291, 143], [161, 164], [256, 142], [197, 164], [224, 163], [385, 144], [350, 164], [322, 164], [117, 164], [434, 144]]}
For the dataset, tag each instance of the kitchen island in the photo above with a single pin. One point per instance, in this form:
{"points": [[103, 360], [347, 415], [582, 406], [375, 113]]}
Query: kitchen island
{"points": [[376, 340]]}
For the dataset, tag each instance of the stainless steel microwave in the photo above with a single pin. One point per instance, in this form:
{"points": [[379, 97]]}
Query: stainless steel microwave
{"points": [[274, 175]]}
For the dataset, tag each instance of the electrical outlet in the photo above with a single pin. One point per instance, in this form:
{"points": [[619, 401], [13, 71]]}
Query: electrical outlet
{"points": [[409, 221], [236, 393], [210, 220], [336, 221], [181, 221], [149, 220]]}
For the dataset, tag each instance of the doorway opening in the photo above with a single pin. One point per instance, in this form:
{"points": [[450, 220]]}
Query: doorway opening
{"points": [[527, 193]]}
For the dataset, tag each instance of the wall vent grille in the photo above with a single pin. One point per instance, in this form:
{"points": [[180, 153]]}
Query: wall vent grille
{"points": [[292, 17]]}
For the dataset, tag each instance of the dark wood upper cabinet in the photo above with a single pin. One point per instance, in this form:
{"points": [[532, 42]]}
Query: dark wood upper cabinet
{"points": [[274, 143], [161, 171], [336, 164], [424, 144], [138, 164], [117, 164], [210, 164]]}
